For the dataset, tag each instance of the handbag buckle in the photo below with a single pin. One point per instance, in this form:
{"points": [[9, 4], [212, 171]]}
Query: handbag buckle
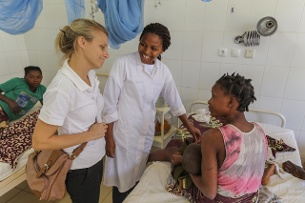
{"points": [[46, 167]]}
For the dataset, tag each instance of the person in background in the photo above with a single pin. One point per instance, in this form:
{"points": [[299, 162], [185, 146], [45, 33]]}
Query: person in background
{"points": [[234, 155], [132, 89], [72, 108], [19, 95]]}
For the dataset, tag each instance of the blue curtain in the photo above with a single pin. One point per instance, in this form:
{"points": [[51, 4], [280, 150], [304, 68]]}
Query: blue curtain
{"points": [[123, 19], [75, 9], [19, 16]]}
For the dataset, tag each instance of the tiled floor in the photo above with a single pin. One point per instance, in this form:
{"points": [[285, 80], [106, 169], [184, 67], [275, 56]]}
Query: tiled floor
{"points": [[22, 194]]}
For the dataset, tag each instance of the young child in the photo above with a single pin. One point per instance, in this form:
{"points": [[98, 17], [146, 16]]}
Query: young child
{"points": [[19, 95], [188, 156]]}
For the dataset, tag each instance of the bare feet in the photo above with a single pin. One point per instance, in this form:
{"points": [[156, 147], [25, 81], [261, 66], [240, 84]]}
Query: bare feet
{"points": [[295, 170], [267, 173]]}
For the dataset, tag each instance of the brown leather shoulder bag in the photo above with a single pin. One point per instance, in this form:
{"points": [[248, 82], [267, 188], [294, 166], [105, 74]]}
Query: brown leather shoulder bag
{"points": [[47, 170]]}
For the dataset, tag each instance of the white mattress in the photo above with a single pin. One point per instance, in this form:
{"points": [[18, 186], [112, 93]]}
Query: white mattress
{"points": [[151, 188], [5, 169]]}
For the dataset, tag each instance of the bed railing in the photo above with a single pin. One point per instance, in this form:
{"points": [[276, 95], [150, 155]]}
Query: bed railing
{"points": [[279, 115]]}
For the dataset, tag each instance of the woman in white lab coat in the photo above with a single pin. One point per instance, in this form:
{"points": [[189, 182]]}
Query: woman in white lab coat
{"points": [[134, 84]]}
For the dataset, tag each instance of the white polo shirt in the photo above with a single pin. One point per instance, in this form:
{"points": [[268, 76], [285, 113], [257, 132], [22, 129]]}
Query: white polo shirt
{"points": [[74, 106]]}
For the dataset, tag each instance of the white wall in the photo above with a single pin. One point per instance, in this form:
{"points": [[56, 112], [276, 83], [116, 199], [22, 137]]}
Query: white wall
{"points": [[13, 56], [198, 30]]}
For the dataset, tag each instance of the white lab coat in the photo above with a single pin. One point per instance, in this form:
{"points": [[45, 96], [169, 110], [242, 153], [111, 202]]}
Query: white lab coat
{"points": [[130, 95]]}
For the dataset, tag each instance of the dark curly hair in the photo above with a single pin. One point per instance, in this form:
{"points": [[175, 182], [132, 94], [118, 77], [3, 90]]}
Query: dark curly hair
{"points": [[239, 87], [31, 68], [161, 31]]}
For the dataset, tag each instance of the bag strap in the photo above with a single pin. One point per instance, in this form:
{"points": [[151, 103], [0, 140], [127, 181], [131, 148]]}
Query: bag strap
{"points": [[77, 151], [55, 155]]}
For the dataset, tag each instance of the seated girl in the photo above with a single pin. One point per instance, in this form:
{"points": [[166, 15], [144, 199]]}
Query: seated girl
{"points": [[232, 156]]}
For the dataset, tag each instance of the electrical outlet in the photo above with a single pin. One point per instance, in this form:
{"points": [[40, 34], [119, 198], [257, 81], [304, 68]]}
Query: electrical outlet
{"points": [[222, 52], [250, 53]]}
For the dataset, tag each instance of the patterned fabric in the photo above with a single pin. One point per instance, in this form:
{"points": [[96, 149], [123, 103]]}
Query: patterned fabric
{"points": [[172, 186], [202, 126], [198, 197], [177, 185], [278, 146], [16, 138], [3, 118]]}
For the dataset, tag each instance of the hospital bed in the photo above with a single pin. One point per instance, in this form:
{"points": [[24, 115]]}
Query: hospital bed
{"points": [[11, 177], [151, 187]]}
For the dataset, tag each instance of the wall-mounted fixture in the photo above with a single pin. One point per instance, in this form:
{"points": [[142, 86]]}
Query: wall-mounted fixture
{"points": [[265, 27], [94, 8]]}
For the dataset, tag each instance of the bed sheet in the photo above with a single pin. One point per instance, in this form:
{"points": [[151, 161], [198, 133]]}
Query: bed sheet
{"points": [[289, 188], [151, 187], [5, 169]]}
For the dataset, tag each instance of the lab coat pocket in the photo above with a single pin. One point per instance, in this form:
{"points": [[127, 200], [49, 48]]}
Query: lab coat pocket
{"points": [[120, 133]]}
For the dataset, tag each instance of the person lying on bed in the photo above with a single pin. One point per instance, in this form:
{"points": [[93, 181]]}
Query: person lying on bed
{"points": [[19, 95], [234, 155]]}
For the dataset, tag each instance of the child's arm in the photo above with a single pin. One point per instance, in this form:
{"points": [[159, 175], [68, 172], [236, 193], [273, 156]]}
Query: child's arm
{"points": [[207, 182]]}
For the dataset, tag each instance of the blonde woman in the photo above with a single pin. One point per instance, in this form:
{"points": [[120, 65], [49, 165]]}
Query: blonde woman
{"points": [[73, 105]]}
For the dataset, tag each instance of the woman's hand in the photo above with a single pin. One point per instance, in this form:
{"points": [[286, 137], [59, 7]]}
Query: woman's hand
{"points": [[98, 130], [110, 143], [194, 131], [196, 134], [110, 147]]}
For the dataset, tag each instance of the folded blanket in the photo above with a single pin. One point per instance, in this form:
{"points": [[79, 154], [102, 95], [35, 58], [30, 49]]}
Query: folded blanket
{"points": [[278, 145]]}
